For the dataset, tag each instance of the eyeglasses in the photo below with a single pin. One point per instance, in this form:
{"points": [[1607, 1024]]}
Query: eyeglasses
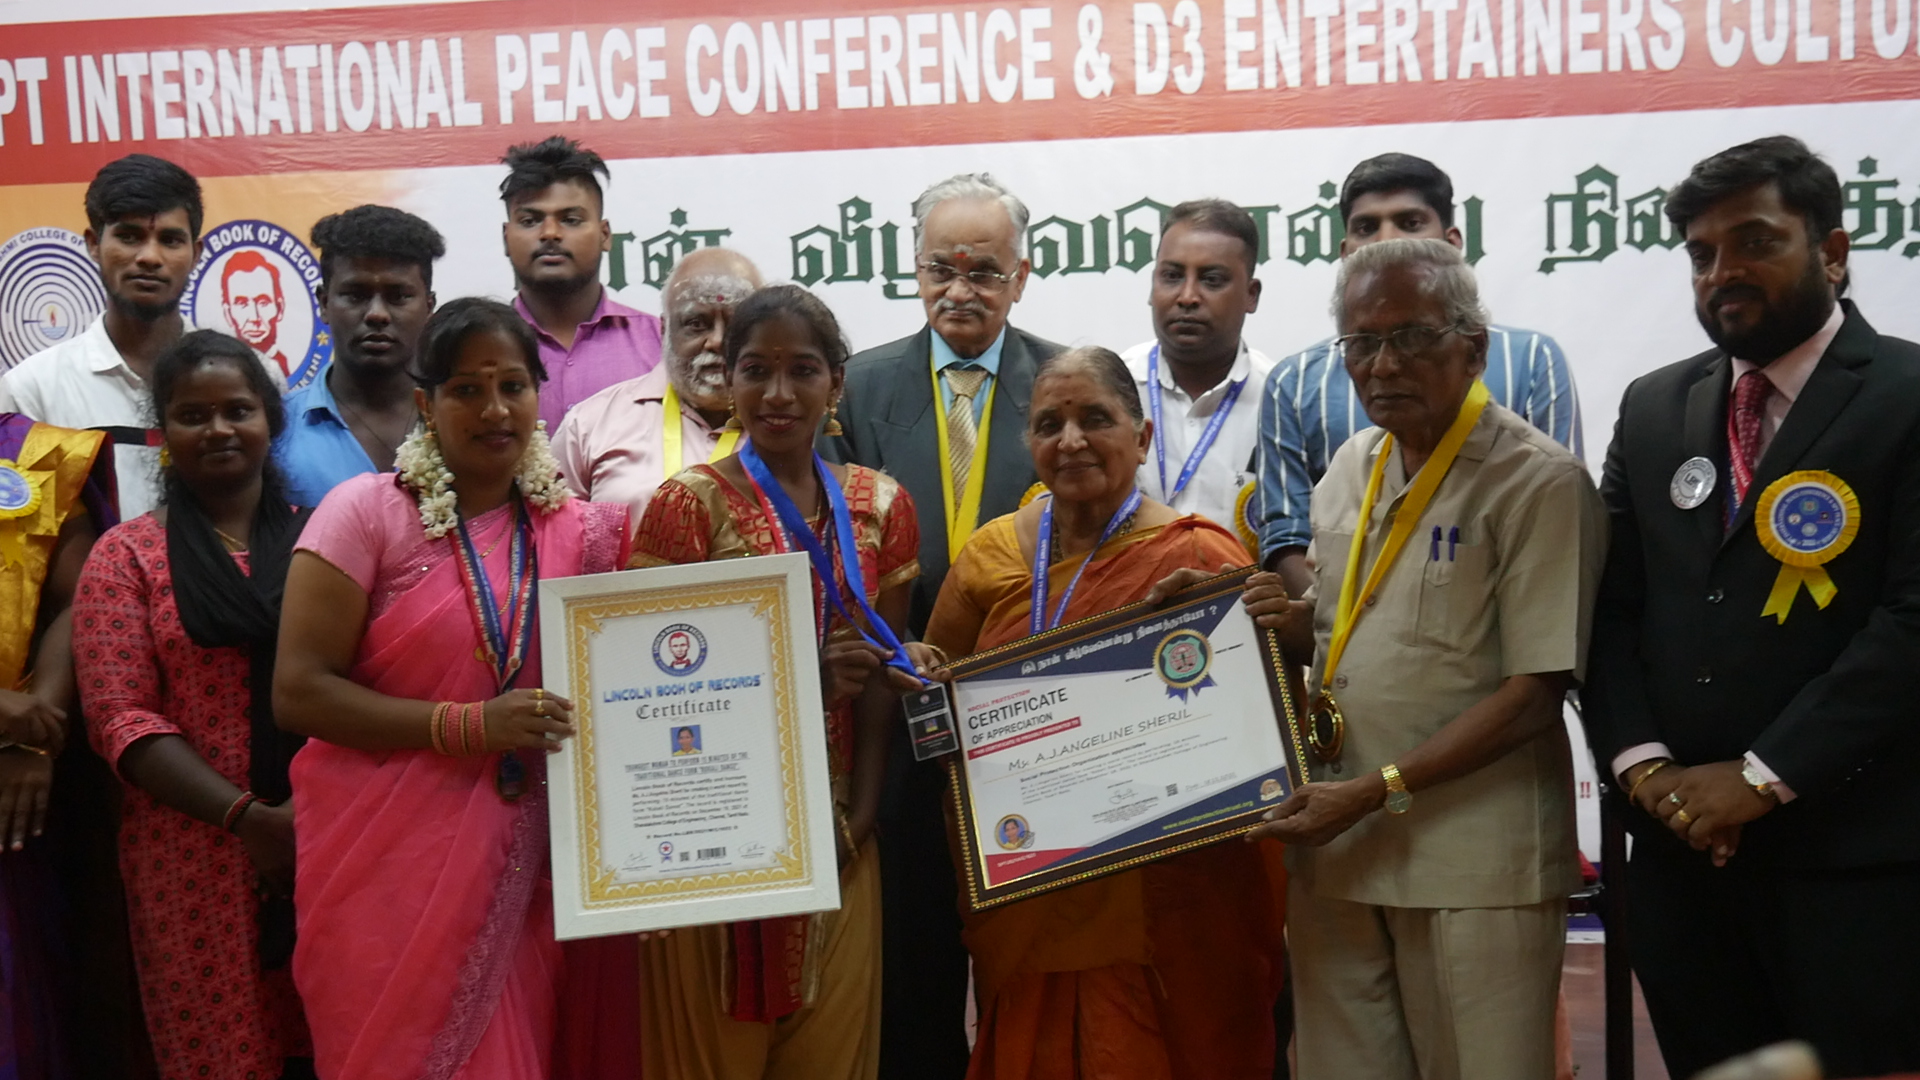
{"points": [[1408, 341], [983, 281]]}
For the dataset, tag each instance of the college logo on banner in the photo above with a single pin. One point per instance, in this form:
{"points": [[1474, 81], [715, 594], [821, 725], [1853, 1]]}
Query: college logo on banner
{"points": [[256, 281], [49, 291]]}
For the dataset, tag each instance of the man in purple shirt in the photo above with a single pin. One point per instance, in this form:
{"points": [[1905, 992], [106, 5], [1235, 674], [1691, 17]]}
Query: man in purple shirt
{"points": [[555, 233]]}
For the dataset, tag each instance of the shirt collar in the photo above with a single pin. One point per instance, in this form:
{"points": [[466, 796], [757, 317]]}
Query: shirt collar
{"points": [[1242, 367], [1790, 372], [944, 357], [103, 355], [652, 386], [607, 308]]}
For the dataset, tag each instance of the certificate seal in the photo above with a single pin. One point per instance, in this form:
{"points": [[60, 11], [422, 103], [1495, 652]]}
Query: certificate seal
{"points": [[1182, 660], [1692, 482], [680, 649], [1269, 789], [1805, 519], [1013, 833], [19, 496]]}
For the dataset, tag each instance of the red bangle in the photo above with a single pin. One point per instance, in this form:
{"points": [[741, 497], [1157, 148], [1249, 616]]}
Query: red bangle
{"points": [[437, 728], [246, 799], [477, 729]]}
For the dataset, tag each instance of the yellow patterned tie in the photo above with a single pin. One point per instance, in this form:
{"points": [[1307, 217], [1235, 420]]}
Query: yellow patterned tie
{"points": [[963, 384]]}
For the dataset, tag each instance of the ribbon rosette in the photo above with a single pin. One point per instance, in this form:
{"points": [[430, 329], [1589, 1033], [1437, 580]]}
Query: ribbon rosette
{"points": [[1805, 519], [21, 503]]}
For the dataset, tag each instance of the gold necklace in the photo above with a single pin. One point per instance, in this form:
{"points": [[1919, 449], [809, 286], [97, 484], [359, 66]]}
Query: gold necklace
{"points": [[232, 543]]}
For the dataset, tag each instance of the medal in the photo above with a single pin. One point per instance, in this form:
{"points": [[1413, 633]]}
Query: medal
{"points": [[505, 637], [1692, 482], [1805, 519], [1326, 729]]}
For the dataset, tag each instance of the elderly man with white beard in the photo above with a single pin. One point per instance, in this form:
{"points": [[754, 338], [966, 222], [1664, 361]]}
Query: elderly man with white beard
{"points": [[617, 446]]}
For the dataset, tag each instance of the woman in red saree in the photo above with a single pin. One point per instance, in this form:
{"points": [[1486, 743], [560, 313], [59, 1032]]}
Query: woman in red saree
{"points": [[1165, 971], [409, 653], [794, 997]]}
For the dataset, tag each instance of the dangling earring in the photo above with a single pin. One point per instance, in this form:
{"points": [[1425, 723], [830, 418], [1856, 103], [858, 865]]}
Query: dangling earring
{"points": [[166, 457], [733, 418], [833, 429]]}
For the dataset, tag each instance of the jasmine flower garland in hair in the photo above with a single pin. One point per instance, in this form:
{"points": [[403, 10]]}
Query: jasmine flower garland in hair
{"points": [[425, 473]]}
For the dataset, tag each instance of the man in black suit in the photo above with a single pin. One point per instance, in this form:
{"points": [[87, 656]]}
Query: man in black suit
{"points": [[945, 413], [1756, 646]]}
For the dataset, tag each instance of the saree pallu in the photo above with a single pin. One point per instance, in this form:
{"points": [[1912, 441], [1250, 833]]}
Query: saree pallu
{"points": [[426, 943], [776, 997], [1169, 970]]}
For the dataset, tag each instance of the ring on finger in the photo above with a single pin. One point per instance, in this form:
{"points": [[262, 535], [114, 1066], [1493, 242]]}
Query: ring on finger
{"points": [[1674, 798], [539, 707], [1682, 816]]}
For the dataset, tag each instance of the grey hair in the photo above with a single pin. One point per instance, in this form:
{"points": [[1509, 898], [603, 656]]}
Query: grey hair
{"points": [[971, 186], [1452, 281], [1107, 369]]}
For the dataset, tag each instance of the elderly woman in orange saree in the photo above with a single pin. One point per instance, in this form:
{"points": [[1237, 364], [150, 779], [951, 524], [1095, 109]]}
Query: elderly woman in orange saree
{"points": [[793, 997], [1164, 971]]}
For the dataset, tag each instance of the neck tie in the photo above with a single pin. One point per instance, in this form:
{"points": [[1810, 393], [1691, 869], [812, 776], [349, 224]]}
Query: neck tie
{"points": [[963, 384], [1745, 421]]}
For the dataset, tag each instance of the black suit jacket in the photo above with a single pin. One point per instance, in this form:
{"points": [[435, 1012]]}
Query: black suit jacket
{"points": [[887, 412], [1829, 700]]}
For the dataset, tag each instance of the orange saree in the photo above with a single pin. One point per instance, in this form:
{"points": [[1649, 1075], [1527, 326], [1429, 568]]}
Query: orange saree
{"points": [[1169, 970]]}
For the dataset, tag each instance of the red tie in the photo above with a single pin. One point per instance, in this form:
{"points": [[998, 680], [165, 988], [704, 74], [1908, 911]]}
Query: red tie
{"points": [[1744, 422]]}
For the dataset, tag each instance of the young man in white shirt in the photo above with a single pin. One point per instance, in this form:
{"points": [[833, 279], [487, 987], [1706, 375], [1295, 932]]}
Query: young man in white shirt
{"points": [[1199, 379], [143, 230]]}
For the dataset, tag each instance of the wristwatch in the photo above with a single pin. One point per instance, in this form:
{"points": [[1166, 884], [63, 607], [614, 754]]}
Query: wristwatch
{"points": [[1399, 799], [1757, 782]]}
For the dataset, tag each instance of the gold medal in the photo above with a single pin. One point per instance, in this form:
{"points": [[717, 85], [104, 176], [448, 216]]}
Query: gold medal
{"points": [[1326, 728]]}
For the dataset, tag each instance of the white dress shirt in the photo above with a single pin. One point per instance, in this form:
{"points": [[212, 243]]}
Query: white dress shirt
{"points": [[84, 383], [1228, 467], [612, 446]]}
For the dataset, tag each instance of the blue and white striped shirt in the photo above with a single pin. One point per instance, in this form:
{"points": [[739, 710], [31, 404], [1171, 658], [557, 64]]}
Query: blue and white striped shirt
{"points": [[1309, 410]]}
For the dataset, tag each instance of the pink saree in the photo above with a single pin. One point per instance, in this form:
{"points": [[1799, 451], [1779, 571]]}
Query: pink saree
{"points": [[426, 945]]}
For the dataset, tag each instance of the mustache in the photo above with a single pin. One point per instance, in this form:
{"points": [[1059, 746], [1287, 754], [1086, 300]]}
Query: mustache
{"points": [[1735, 292], [551, 249], [971, 305]]}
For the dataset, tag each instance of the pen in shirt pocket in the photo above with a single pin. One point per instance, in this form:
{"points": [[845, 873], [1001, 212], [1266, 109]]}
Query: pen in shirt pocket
{"points": [[1434, 555], [1453, 540]]}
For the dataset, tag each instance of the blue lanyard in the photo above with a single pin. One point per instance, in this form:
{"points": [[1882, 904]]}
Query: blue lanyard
{"points": [[1207, 436], [506, 642], [801, 534], [1043, 554]]}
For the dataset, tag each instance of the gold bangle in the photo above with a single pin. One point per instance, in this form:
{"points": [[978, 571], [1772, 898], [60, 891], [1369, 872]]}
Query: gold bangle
{"points": [[845, 825], [938, 652], [1657, 766]]}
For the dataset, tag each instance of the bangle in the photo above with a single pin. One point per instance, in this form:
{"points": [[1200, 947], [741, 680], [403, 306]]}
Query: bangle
{"points": [[474, 739], [437, 728], [1657, 766], [938, 652], [246, 799], [845, 826]]}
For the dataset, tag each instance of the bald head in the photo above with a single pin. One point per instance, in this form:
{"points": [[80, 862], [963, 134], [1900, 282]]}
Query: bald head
{"points": [[701, 293]]}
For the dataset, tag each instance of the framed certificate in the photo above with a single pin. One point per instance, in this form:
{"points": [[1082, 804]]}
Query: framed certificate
{"points": [[1117, 740], [696, 789]]}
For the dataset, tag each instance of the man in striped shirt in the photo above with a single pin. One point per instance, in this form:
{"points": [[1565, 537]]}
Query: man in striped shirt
{"points": [[1309, 408]]}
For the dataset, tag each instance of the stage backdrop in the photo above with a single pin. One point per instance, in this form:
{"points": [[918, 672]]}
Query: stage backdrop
{"points": [[798, 131]]}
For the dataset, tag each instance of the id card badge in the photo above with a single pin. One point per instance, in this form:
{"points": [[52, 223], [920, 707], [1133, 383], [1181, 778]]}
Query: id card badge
{"points": [[930, 722]]}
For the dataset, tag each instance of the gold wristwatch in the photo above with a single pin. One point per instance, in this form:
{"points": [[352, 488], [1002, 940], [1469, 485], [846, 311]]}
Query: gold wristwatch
{"points": [[1757, 782], [1399, 799]]}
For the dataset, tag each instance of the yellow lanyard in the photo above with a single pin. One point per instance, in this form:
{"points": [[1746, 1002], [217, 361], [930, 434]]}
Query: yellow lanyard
{"points": [[962, 519], [1353, 600], [671, 435]]}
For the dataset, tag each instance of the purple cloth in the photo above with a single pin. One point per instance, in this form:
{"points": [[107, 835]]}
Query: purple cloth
{"points": [[615, 344]]}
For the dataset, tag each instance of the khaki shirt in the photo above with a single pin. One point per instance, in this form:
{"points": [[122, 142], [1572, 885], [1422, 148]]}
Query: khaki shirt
{"points": [[1512, 596]]}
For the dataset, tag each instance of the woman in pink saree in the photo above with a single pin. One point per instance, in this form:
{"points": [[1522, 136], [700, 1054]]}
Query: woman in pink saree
{"points": [[409, 653]]}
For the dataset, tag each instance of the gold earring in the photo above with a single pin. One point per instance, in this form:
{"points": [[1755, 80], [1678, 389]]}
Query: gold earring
{"points": [[834, 430], [733, 419], [166, 457]]}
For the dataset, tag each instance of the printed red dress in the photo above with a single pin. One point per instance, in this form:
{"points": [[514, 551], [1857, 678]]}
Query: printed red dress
{"points": [[212, 1012]]}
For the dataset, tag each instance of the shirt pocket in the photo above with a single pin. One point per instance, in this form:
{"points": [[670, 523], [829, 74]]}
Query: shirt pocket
{"points": [[1456, 599]]}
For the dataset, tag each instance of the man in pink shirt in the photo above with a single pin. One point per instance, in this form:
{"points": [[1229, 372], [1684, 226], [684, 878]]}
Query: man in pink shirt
{"points": [[615, 445], [555, 233]]}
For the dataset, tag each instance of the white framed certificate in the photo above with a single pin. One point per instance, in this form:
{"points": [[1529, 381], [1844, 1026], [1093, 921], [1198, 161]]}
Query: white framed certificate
{"points": [[696, 790]]}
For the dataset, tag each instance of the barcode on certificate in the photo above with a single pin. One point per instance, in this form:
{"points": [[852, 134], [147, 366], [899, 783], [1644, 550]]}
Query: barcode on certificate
{"points": [[712, 853]]}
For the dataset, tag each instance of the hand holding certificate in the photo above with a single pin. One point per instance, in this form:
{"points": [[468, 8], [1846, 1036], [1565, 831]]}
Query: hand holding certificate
{"points": [[1118, 740]]}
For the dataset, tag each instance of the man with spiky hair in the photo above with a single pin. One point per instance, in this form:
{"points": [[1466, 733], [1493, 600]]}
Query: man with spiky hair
{"points": [[555, 233], [376, 291], [143, 230]]}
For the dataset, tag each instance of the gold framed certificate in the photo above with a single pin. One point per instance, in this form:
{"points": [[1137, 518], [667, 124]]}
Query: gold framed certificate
{"points": [[696, 789], [1117, 740]]}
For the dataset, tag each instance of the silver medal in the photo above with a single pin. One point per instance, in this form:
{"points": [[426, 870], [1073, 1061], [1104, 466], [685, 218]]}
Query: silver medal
{"points": [[1692, 482]]}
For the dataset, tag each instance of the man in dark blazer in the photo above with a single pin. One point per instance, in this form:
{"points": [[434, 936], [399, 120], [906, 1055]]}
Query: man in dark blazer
{"points": [[1755, 661], [913, 408]]}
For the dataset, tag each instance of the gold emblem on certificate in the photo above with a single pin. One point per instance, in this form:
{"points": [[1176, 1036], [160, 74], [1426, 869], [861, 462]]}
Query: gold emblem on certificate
{"points": [[1692, 482], [1805, 519]]}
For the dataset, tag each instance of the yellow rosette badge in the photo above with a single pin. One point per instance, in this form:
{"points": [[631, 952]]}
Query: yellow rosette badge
{"points": [[20, 501], [1805, 519]]}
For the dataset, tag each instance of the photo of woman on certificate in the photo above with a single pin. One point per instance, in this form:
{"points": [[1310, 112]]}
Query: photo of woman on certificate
{"points": [[796, 996], [1174, 964]]}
